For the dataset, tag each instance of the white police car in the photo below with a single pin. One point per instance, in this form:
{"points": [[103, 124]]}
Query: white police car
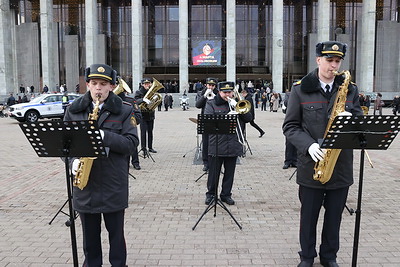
{"points": [[43, 106]]}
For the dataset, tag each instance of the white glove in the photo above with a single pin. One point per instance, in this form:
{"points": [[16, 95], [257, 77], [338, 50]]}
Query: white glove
{"points": [[208, 93], [101, 133], [147, 101], [316, 152], [75, 165], [232, 112], [345, 113], [233, 103]]}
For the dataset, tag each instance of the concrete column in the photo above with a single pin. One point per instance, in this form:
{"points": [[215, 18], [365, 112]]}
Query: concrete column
{"points": [[183, 46], [91, 32], [365, 74], [277, 45], [231, 40], [48, 45], [72, 61], [324, 7], [137, 44], [6, 63]]}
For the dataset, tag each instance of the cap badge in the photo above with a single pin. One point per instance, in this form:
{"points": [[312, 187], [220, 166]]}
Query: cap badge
{"points": [[101, 69], [335, 47]]}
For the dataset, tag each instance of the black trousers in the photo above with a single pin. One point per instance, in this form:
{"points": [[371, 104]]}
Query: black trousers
{"points": [[135, 156], [146, 132], [311, 202], [204, 149], [215, 164], [253, 123], [290, 153], [91, 225]]}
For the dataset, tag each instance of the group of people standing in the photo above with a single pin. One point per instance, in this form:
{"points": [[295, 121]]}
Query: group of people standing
{"points": [[307, 115]]}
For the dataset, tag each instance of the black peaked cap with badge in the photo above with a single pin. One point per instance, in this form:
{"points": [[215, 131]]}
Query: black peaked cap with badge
{"points": [[147, 80], [226, 86], [211, 81], [331, 49], [101, 71]]}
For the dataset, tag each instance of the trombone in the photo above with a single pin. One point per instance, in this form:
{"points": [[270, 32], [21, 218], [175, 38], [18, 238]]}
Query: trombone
{"points": [[239, 109]]}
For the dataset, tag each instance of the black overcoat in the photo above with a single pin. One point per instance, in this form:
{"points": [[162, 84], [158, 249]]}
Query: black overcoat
{"points": [[228, 144], [107, 188], [305, 122]]}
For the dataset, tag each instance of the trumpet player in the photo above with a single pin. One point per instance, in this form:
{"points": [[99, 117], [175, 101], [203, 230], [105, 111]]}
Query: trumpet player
{"points": [[307, 116], [106, 193], [148, 117], [202, 96], [229, 146]]}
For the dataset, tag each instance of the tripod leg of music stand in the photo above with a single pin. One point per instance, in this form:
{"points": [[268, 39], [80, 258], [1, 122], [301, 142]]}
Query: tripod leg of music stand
{"points": [[212, 204], [59, 211], [71, 215], [206, 172], [132, 176], [219, 202], [358, 211]]}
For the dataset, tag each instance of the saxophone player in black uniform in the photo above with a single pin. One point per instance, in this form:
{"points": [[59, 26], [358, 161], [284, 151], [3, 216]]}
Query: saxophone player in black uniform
{"points": [[106, 192], [310, 105]]}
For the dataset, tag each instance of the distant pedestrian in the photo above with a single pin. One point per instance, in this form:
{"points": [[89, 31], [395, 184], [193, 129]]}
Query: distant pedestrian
{"points": [[11, 100]]}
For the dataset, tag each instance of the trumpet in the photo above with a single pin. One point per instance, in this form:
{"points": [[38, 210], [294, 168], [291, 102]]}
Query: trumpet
{"points": [[210, 95]]}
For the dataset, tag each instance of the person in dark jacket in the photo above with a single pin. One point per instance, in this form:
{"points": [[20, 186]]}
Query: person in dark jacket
{"points": [[229, 146], [11, 100], [247, 96], [148, 117], [309, 107], [106, 193], [138, 119], [202, 97], [290, 149]]}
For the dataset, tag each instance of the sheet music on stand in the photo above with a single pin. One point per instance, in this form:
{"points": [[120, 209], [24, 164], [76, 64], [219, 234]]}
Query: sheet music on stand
{"points": [[377, 132], [50, 139], [216, 124]]}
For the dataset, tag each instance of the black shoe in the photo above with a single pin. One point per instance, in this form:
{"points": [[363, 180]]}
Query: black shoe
{"points": [[332, 263], [294, 165], [152, 150], [261, 134], [208, 200], [285, 166], [136, 166], [205, 168], [305, 264], [228, 200]]}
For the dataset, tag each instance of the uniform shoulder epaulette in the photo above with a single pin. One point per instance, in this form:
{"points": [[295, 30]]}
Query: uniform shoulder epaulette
{"points": [[297, 83]]}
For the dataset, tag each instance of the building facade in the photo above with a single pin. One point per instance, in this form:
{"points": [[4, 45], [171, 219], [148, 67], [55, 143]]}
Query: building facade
{"points": [[50, 42]]}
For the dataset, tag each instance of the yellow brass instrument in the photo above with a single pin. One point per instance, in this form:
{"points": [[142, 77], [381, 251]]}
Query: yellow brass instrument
{"points": [[154, 97], [122, 87], [243, 106], [323, 169], [85, 163]]}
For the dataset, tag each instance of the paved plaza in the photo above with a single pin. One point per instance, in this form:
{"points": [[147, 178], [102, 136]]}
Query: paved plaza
{"points": [[166, 201]]}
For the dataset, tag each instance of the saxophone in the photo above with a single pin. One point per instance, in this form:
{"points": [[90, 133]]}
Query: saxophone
{"points": [[85, 163], [323, 169]]}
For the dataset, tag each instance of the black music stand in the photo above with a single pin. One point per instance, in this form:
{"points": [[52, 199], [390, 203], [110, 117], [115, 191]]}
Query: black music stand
{"points": [[216, 124], [146, 154], [66, 139], [361, 132]]}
